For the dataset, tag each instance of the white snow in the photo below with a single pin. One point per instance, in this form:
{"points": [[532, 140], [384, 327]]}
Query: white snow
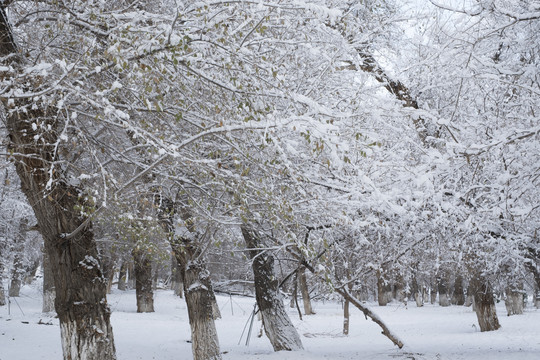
{"points": [[430, 332]]}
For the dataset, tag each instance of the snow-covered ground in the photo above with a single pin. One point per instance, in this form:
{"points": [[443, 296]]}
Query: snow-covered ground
{"points": [[430, 332]]}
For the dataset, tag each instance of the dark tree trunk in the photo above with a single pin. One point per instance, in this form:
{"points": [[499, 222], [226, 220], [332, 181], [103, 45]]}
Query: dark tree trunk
{"points": [[18, 271], [108, 264], [122, 276], [302, 281], [176, 278], [277, 324], [81, 302], [485, 305], [49, 293], [458, 297], [143, 281]]}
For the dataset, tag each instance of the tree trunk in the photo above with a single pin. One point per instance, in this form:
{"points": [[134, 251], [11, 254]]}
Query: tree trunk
{"points": [[384, 290], [199, 299], [469, 299], [346, 317], [176, 278], [30, 272], [49, 293], [143, 281], [198, 292], [2, 257], [18, 271], [514, 302], [277, 324], [442, 287], [80, 303], [122, 276], [458, 297], [302, 280], [417, 291], [485, 306], [131, 275]]}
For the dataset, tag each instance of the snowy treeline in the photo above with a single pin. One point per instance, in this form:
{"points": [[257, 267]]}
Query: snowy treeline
{"points": [[365, 149]]}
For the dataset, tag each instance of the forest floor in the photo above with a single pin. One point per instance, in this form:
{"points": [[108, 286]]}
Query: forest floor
{"points": [[429, 332]]}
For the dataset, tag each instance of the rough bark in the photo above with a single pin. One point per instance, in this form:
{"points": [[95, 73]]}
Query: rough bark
{"points": [[122, 275], [485, 305], [176, 278], [198, 292], [81, 302], [199, 299], [143, 281], [49, 293], [277, 324], [302, 281]]}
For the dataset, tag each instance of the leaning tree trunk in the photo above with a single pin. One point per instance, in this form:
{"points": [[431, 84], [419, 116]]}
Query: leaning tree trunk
{"points": [[277, 324], [49, 293], [485, 305], [143, 281], [81, 302]]}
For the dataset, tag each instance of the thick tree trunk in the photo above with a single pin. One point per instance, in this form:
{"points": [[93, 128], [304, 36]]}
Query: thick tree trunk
{"points": [[49, 293], [302, 280], [485, 306], [122, 275], [81, 302], [277, 324], [198, 292], [143, 281], [458, 297], [200, 302]]}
